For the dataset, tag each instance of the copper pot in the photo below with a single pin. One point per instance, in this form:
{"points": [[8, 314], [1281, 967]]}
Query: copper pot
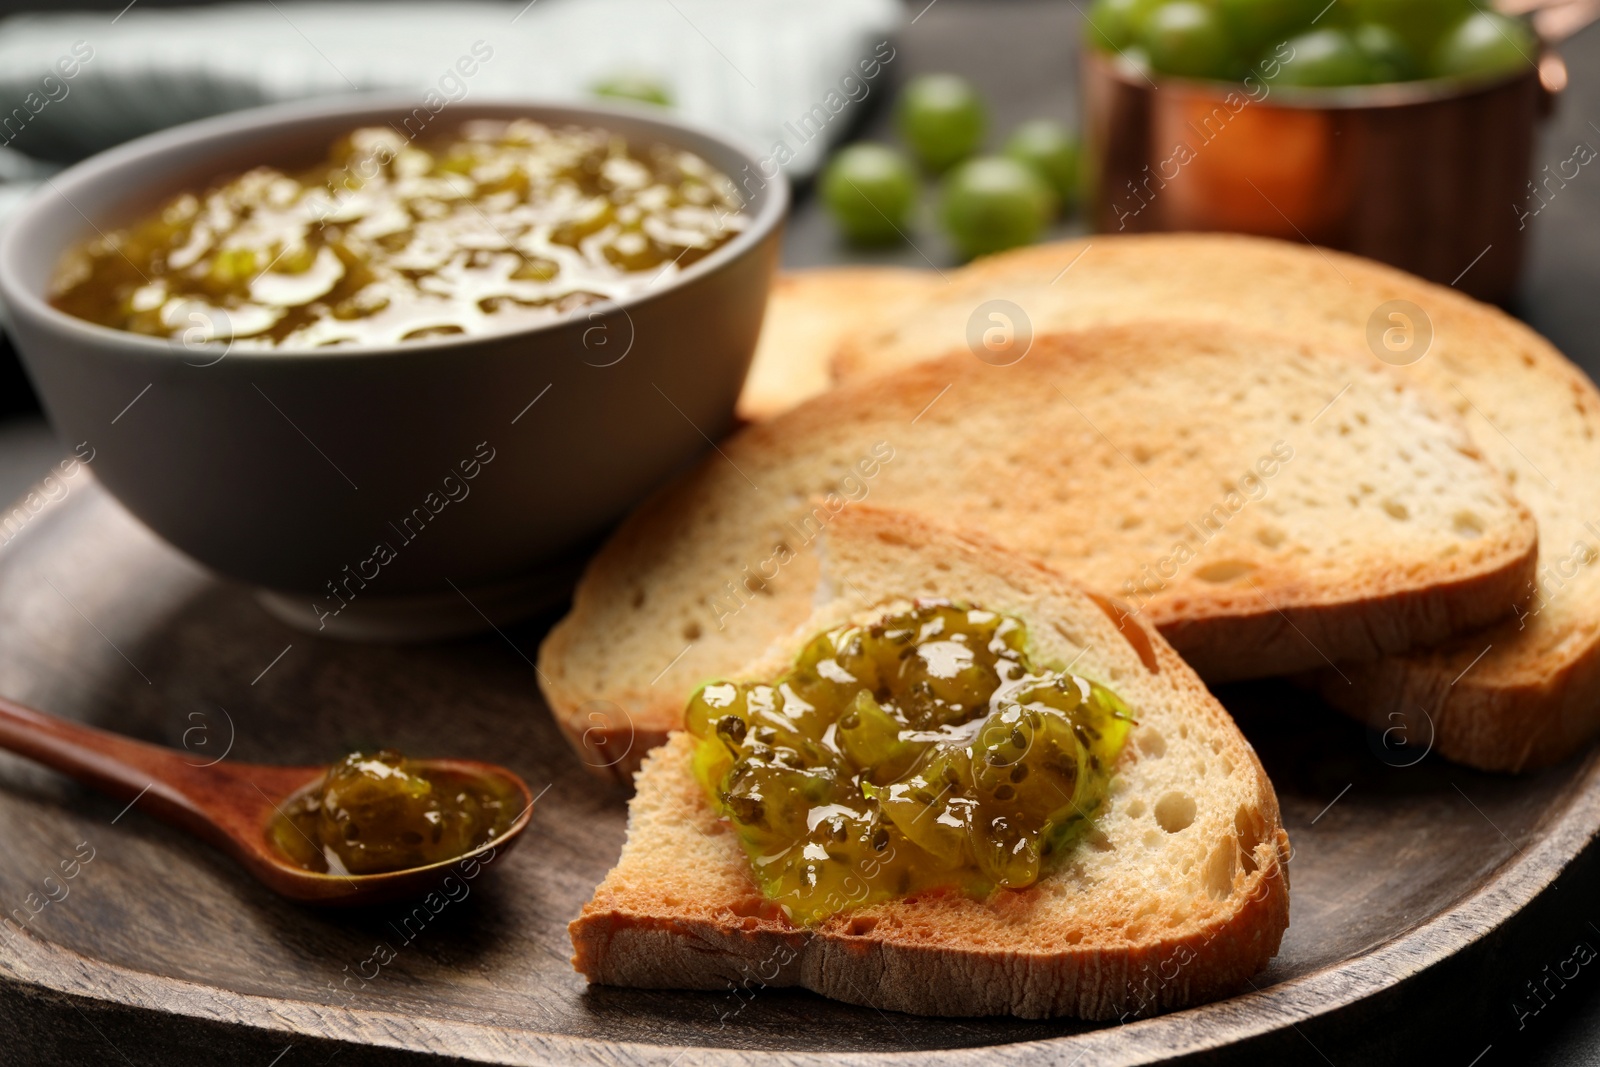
{"points": [[1433, 177]]}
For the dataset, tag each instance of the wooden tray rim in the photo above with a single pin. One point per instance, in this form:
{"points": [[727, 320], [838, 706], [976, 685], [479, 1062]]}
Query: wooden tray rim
{"points": [[29, 960], [61, 970]]}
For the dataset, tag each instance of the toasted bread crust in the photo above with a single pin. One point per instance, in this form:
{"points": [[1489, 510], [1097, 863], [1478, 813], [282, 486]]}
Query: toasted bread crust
{"points": [[1431, 702], [1282, 617], [808, 314], [1530, 700], [651, 925], [1225, 648], [617, 942]]}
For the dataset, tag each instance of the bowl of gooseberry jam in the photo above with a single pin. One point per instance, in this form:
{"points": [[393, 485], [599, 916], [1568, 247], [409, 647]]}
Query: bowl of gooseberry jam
{"points": [[1401, 130], [395, 369]]}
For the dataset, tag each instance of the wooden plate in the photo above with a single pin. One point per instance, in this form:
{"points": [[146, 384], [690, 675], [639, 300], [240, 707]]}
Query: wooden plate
{"points": [[161, 949]]}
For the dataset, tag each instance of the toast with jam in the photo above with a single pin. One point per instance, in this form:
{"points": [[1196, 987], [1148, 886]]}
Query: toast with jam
{"points": [[962, 786], [1515, 696], [1270, 505]]}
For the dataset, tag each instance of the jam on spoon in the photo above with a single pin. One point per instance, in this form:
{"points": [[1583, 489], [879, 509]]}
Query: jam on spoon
{"points": [[380, 812]]}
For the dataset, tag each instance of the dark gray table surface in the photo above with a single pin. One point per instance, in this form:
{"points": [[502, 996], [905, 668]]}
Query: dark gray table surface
{"points": [[1022, 55]]}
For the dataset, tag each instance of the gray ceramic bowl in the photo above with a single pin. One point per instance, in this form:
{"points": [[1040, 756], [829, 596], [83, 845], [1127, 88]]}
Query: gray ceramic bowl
{"points": [[337, 482]]}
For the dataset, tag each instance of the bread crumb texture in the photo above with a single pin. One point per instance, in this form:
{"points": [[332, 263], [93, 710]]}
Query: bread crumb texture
{"points": [[1178, 895], [1271, 505], [1528, 701]]}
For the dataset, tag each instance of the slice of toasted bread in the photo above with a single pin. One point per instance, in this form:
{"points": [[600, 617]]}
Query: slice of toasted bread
{"points": [[1179, 895], [1269, 505], [808, 314], [1523, 694]]}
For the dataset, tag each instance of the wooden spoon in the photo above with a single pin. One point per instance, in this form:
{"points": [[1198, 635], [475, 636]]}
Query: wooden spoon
{"points": [[232, 805]]}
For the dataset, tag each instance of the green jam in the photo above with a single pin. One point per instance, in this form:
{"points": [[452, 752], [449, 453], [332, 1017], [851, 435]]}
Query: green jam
{"points": [[923, 752], [371, 814], [494, 227]]}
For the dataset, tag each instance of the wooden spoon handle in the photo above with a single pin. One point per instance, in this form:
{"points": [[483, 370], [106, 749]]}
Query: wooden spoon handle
{"points": [[119, 766], [212, 799], [229, 804]]}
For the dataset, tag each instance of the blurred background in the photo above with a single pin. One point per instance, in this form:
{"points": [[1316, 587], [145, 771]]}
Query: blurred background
{"points": [[759, 68], [751, 68]]}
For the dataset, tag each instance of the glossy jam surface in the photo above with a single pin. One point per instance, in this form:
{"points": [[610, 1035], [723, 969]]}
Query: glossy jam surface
{"points": [[499, 226], [381, 812], [925, 751]]}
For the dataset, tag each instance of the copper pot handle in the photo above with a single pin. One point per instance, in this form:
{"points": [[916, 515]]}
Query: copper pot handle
{"points": [[1552, 79], [1554, 20]]}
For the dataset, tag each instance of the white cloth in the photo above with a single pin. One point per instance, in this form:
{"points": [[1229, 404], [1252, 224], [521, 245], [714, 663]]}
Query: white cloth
{"points": [[743, 66]]}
